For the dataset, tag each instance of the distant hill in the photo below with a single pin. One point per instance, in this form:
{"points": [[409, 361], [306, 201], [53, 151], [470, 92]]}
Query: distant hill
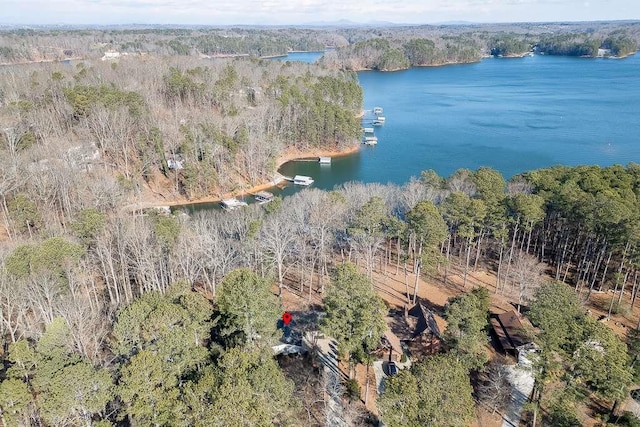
{"points": [[455, 23], [347, 23]]}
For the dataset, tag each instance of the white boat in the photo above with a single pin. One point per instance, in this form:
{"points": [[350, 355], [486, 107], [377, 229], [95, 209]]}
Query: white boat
{"points": [[367, 130], [232, 204], [263, 197], [302, 180], [377, 111], [324, 160], [370, 140], [380, 119]]}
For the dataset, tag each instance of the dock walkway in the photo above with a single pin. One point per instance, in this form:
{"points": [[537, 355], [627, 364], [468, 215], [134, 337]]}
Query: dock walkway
{"points": [[327, 351]]}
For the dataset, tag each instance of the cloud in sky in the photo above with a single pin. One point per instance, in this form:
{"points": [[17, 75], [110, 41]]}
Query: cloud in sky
{"points": [[304, 11]]}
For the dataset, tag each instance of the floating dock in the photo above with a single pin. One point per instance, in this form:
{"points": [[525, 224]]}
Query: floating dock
{"points": [[370, 140], [302, 180], [232, 204], [263, 197]]}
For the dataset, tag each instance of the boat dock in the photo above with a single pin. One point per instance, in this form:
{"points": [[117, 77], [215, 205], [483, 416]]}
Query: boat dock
{"points": [[369, 137], [232, 204], [263, 197], [374, 117], [302, 180]]}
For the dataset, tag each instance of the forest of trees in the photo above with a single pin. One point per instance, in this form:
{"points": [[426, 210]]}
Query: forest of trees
{"points": [[114, 315], [569, 45], [24, 45], [393, 54], [620, 44], [225, 121], [508, 45], [358, 47], [67, 284]]}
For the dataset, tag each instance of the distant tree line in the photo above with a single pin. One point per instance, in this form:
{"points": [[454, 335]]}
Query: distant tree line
{"points": [[619, 44], [23, 45], [569, 45], [404, 46]]}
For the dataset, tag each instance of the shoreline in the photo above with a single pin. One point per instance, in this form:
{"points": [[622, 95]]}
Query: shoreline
{"points": [[45, 61], [244, 55], [286, 157], [393, 70], [515, 56], [284, 55]]}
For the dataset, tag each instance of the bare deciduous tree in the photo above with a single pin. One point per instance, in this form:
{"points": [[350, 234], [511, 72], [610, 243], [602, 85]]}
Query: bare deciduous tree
{"points": [[494, 387], [278, 236], [525, 277]]}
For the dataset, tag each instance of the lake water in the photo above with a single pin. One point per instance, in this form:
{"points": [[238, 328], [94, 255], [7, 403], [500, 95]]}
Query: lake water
{"points": [[308, 57], [513, 115]]}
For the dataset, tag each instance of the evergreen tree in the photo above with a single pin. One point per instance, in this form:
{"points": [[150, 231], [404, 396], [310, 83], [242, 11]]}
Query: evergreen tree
{"points": [[435, 392], [467, 323], [62, 386], [354, 312], [247, 309]]}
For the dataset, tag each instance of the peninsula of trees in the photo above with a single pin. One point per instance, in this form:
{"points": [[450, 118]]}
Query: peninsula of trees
{"points": [[181, 127]]}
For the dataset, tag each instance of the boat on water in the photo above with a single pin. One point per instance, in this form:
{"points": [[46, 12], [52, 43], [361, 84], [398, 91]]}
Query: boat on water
{"points": [[367, 130], [324, 160], [263, 197], [377, 123], [370, 140], [302, 180], [232, 204], [377, 111], [380, 119]]}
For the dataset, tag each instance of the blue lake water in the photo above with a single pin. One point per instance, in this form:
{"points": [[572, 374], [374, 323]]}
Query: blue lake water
{"points": [[513, 115], [308, 57], [510, 114]]}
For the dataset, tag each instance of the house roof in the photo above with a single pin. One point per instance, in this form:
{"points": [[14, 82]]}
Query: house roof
{"points": [[509, 329], [426, 321], [393, 341]]}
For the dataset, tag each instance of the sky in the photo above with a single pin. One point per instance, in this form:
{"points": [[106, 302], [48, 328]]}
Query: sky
{"points": [[281, 12]]}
